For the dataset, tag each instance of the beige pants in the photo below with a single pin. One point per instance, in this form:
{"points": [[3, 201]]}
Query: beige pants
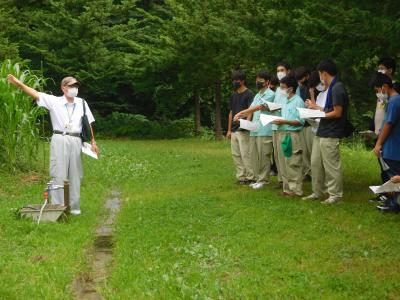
{"points": [[291, 167], [275, 135], [307, 137], [260, 152], [326, 167], [240, 148], [66, 164]]}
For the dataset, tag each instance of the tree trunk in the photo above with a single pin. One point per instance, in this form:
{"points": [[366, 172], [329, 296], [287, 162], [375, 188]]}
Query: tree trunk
{"points": [[218, 96], [197, 111]]}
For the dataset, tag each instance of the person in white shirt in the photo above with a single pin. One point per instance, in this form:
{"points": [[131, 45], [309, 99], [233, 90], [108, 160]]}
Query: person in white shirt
{"points": [[66, 144]]}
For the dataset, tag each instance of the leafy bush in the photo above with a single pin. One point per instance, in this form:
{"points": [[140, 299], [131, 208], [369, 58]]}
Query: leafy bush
{"points": [[19, 117], [139, 127], [207, 134]]}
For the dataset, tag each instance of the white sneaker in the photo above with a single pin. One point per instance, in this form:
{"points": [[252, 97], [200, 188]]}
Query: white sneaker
{"points": [[311, 197], [332, 200], [258, 186], [252, 184], [75, 212]]}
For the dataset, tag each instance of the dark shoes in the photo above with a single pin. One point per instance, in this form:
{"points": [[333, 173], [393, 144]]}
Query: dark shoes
{"points": [[245, 182], [388, 209], [379, 198]]}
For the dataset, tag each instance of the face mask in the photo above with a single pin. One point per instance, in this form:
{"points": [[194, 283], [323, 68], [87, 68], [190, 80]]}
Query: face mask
{"points": [[320, 87], [284, 93], [72, 92], [382, 96], [260, 84], [280, 75], [236, 85], [382, 71]]}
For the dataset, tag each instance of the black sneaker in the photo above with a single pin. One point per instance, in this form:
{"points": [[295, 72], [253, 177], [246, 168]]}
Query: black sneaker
{"points": [[307, 178], [388, 209], [379, 198]]}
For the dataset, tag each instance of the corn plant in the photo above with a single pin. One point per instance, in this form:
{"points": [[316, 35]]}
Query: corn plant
{"points": [[19, 118]]}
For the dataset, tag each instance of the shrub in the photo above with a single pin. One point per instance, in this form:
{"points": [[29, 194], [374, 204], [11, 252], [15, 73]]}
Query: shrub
{"points": [[139, 127]]}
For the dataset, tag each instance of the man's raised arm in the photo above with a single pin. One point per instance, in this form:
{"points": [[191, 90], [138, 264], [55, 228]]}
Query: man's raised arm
{"points": [[26, 89]]}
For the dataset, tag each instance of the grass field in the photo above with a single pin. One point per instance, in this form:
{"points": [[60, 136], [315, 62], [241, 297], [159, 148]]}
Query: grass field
{"points": [[186, 231]]}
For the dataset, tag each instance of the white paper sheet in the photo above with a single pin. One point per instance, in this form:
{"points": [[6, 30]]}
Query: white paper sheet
{"points": [[87, 149], [306, 113], [384, 165], [248, 125], [273, 106], [266, 119], [387, 187]]}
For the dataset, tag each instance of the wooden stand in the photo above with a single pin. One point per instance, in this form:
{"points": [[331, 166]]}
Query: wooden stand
{"points": [[66, 196]]}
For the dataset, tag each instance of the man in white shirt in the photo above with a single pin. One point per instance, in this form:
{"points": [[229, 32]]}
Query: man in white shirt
{"points": [[66, 144]]}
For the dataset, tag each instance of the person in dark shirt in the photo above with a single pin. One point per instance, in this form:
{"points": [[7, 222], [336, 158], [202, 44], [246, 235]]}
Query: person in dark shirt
{"points": [[326, 166], [240, 100]]}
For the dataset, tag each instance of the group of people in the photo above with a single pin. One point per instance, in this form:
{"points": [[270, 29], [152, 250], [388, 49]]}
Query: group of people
{"points": [[298, 149]]}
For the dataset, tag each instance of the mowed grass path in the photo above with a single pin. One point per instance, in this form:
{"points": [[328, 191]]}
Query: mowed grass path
{"points": [[186, 231]]}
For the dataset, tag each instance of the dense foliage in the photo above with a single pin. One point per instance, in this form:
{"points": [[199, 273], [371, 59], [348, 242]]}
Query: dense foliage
{"points": [[170, 59]]}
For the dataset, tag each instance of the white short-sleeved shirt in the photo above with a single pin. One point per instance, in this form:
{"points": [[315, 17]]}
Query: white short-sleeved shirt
{"points": [[63, 118]]}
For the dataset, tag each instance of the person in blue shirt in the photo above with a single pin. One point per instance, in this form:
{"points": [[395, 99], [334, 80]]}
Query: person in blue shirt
{"points": [[260, 140], [283, 69], [388, 142], [289, 146]]}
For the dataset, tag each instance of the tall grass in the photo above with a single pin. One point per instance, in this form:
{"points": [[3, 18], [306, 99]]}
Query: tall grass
{"points": [[19, 118]]}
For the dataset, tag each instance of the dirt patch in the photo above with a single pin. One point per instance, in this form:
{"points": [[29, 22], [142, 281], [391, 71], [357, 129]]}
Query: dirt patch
{"points": [[86, 286], [32, 177]]}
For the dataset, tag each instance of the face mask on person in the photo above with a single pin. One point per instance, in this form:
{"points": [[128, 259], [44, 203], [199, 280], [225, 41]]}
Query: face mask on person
{"points": [[285, 92], [320, 87], [280, 75], [236, 85], [382, 96], [72, 92], [260, 84], [382, 71]]}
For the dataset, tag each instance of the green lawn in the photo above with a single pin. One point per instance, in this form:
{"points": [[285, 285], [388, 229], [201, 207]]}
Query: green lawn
{"points": [[186, 231]]}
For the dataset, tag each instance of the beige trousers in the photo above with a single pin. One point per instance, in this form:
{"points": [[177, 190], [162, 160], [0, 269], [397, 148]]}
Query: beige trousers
{"points": [[275, 135], [307, 137], [291, 167], [240, 148], [260, 152], [326, 168]]}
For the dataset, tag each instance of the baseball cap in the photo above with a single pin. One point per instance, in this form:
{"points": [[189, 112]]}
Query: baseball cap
{"points": [[69, 81]]}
